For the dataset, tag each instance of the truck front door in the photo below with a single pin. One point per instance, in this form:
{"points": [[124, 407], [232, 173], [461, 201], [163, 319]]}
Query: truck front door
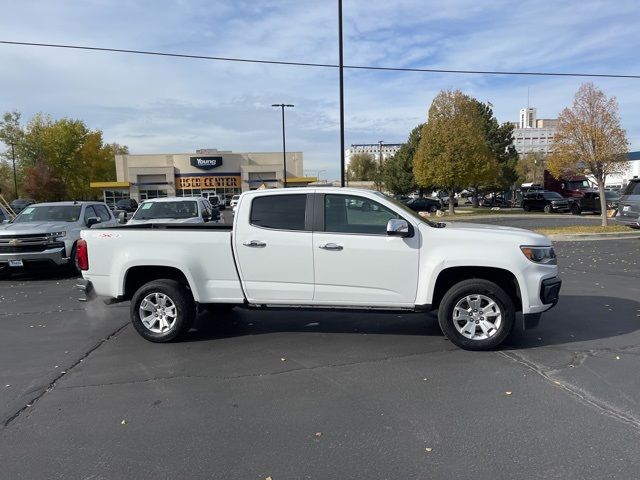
{"points": [[273, 245], [355, 262]]}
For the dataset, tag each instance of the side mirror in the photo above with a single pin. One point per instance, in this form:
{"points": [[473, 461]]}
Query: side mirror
{"points": [[122, 218], [397, 227], [92, 221], [206, 216]]}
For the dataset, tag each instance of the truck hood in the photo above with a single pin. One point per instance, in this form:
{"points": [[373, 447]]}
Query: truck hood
{"points": [[28, 228], [483, 232], [165, 220]]}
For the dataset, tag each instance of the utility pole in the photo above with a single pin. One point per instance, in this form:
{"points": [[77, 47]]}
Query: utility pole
{"points": [[284, 148], [341, 65], [15, 177], [380, 150]]}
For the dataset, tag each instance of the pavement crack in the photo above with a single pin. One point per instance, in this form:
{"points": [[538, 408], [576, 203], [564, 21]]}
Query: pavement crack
{"points": [[579, 394], [251, 375], [55, 381]]}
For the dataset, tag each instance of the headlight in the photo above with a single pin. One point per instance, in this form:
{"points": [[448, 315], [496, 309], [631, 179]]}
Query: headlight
{"points": [[544, 255], [55, 235]]}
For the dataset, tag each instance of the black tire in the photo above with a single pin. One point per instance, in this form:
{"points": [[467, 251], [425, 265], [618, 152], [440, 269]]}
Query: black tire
{"points": [[185, 308], [547, 209], [72, 266], [433, 209], [576, 210], [526, 208], [487, 289]]}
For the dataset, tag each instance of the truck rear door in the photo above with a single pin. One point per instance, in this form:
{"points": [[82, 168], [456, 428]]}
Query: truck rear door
{"points": [[273, 246]]}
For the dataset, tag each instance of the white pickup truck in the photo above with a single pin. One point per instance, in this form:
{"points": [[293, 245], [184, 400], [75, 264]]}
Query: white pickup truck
{"points": [[325, 248]]}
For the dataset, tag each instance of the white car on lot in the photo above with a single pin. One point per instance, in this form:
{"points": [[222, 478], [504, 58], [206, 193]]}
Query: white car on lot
{"points": [[174, 210], [313, 248]]}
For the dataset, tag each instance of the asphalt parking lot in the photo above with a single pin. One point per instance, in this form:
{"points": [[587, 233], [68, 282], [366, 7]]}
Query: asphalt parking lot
{"points": [[320, 395]]}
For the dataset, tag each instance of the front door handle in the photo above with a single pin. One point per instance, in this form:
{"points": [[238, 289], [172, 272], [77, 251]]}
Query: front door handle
{"points": [[254, 243], [330, 246]]}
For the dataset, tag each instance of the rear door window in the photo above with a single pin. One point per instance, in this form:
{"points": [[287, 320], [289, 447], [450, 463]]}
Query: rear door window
{"points": [[281, 212]]}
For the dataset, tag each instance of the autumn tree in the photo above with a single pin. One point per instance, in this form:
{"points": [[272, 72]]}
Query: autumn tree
{"points": [[397, 171], [590, 140], [362, 167], [73, 155], [530, 168], [453, 153]]}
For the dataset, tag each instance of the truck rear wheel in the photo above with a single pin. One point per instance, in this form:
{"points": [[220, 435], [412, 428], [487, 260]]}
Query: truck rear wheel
{"points": [[162, 310], [476, 314]]}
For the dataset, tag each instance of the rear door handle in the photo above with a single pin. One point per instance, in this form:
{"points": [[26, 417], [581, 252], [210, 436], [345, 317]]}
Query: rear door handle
{"points": [[254, 243], [330, 246]]}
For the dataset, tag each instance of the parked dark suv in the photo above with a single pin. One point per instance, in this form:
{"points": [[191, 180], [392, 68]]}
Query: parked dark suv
{"points": [[424, 204], [629, 207], [546, 201], [127, 205]]}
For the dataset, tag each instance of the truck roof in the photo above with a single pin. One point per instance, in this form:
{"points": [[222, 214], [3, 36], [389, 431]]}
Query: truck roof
{"points": [[172, 199], [66, 204], [343, 190]]}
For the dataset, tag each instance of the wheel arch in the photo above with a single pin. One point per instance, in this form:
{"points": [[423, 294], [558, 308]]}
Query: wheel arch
{"points": [[138, 275], [500, 276]]}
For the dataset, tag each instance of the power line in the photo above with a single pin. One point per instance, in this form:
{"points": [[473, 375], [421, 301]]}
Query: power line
{"points": [[320, 65]]}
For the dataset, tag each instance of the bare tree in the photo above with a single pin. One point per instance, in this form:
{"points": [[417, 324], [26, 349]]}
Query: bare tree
{"points": [[590, 140]]}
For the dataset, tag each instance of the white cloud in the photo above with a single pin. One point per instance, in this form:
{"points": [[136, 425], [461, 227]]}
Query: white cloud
{"points": [[164, 104]]}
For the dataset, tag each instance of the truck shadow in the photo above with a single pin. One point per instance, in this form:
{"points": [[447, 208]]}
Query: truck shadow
{"points": [[576, 318]]}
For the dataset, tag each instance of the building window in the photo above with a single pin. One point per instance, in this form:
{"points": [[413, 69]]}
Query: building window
{"points": [[112, 196], [155, 193]]}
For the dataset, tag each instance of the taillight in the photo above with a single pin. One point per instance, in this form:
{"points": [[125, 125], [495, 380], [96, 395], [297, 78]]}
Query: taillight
{"points": [[82, 255]]}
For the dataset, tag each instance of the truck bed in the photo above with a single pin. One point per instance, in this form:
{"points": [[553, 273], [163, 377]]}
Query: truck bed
{"points": [[175, 226]]}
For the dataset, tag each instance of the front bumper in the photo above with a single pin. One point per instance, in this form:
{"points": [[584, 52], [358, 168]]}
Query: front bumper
{"points": [[53, 255], [549, 296], [628, 221]]}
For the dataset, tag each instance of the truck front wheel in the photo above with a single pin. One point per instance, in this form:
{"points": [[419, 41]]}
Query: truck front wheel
{"points": [[162, 310], [476, 314]]}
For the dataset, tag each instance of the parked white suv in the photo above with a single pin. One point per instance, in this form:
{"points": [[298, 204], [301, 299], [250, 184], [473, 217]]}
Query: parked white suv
{"points": [[328, 247]]}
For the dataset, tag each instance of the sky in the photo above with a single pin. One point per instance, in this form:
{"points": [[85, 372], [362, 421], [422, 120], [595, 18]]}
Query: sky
{"points": [[173, 105]]}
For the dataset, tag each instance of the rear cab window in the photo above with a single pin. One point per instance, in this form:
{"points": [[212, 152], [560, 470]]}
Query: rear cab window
{"points": [[279, 211]]}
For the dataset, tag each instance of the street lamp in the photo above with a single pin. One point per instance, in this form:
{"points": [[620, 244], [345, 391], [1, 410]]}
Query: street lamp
{"points": [[380, 142], [319, 172], [284, 148], [15, 178]]}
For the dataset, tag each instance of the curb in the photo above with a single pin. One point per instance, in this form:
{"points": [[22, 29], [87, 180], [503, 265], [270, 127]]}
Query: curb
{"points": [[581, 237]]}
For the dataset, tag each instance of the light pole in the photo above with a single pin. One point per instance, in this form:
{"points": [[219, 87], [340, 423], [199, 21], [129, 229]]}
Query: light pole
{"points": [[15, 178], [380, 150], [284, 148], [319, 172], [341, 69]]}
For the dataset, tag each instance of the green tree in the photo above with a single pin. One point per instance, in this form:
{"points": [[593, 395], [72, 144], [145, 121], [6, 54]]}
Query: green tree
{"points": [[590, 140], [362, 167], [453, 153], [499, 140], [397, 171]]}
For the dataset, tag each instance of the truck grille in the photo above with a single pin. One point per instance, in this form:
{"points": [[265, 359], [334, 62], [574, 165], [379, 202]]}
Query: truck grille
{"points": [[27, 243]]}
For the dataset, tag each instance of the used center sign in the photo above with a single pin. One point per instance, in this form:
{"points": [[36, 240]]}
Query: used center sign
{"points": [[206, 162]]}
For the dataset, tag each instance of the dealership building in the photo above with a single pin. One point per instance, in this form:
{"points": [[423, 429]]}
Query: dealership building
{"points": [[212, 171]]}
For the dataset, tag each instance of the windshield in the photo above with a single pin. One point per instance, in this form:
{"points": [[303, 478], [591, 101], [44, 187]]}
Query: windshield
{"points": [[407, 211], [235, 197], [52, 213], [552, 196], [632, 189], [177, 209], [578, 184], [611, 195]]}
